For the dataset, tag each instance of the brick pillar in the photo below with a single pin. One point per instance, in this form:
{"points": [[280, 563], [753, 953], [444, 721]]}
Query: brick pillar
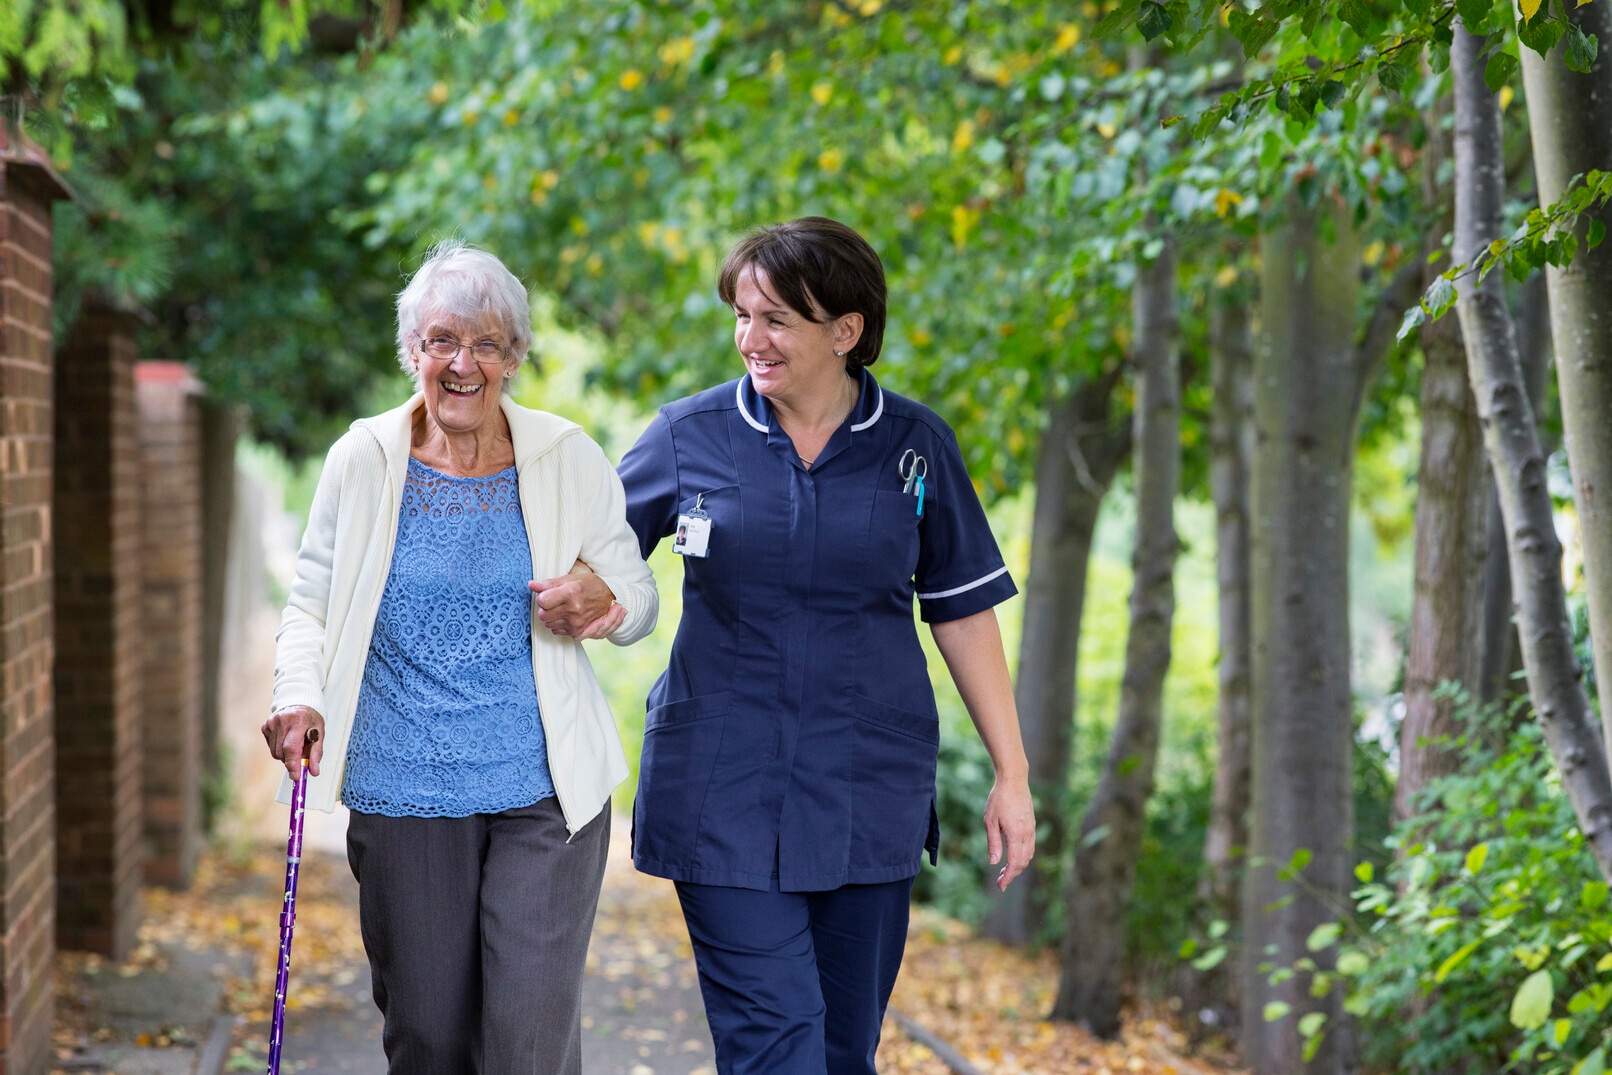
{"points": [[98, 632], [169, 403], [27, 759]]}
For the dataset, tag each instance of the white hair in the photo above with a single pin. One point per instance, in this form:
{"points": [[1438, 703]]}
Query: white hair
{"points": [[462, 281]]}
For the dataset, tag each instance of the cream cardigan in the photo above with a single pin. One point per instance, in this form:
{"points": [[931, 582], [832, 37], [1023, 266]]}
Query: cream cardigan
{"points": [[574, 509]]}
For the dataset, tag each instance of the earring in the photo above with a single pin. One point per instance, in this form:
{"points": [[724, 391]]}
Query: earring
{"points": [[508, 374], [840, 353]]}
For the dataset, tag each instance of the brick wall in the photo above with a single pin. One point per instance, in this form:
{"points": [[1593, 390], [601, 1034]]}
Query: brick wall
{"points": [[168, 400], [27, 761], [98, 637]]}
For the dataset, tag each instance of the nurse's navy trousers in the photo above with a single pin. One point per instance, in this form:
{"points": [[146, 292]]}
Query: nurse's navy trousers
{"points": [[796, 983]]}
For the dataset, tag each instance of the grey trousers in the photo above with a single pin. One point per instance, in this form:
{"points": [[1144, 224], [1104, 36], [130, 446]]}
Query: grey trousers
{"points": [[477, 930]]}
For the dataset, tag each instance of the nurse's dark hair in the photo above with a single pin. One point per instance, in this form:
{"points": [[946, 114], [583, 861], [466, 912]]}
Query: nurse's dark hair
{"points": [[819, 268]]}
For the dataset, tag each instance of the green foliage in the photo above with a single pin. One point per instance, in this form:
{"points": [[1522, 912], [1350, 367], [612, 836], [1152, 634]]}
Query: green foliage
{"points": [[1493, 896]]}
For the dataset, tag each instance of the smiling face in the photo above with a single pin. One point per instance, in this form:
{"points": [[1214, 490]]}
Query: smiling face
{"points": [[461, 394], [789, 356]]}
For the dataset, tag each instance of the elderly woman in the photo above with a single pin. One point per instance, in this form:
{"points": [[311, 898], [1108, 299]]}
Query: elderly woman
{"points": [[788, 776], [476, 753]]}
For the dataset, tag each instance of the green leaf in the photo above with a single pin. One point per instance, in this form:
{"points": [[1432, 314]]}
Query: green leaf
{"points": [[1441, 295], [1581, 50], [1415, 317], [1474, 13], [1276, 1009], [1605, 963], [1540, 35], [1310, 1023], [1476, 857], [1498, 71], [1111, 24], [1359, 15], [1595, 892], [1393, 75], [1210, 959], [1332, 91], [1323, 936], [1251, 31], [1353, 963], [1531, 1006], [1597, 232], [1458, 957], [1152, 19], [1594, 1064], [1559, 1030], [1364, 873]]}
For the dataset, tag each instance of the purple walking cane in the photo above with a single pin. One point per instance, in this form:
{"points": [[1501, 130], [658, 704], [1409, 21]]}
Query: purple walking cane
{"points": [[288, 910]]}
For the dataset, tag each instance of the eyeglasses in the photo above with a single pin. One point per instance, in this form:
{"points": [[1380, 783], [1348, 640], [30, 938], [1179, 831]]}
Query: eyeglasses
{"points": [[446, 349]]}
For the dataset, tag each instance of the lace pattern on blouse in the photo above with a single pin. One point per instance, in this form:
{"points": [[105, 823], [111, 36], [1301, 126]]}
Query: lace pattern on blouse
{"points": [[447, 722]]}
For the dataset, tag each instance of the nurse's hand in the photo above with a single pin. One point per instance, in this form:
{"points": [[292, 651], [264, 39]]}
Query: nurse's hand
{"points": [[578, 605], [1010, 827]]}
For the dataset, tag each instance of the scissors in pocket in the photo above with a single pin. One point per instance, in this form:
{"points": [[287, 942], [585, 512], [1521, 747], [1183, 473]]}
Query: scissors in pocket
{"points": [[913, 469]]}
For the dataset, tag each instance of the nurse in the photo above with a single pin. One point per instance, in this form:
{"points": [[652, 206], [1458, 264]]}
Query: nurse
{"points": [[787, 783]]}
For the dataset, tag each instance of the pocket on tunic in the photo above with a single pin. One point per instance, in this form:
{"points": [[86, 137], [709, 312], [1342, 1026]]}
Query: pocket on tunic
{"points": [[681, 742], [893, 537], [893, 788]]}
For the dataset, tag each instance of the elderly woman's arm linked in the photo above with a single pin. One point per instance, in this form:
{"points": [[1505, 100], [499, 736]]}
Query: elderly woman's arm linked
{"points": [[611, 592], [972, 647]]}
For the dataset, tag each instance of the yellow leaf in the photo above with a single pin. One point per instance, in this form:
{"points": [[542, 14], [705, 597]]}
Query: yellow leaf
{"points": [[963, 137], [470, 118], [1373, 254], [663, 114], [511, 117], [1581, 3], [823, 92], [1530, 8], [1226, 201], [1068, 38], [1507, 93], [830, 160], [953, 54], [539, 195], [550, 179], [595, 265], [1107, 130], [1497, 246], [1226, 276], [679, 50], [631, 79], [919, 338], [870, 8], [438, 94], [963, 221]]}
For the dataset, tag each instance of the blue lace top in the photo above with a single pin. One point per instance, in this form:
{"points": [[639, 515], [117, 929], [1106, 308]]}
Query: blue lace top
{"points": [[447, 722]]}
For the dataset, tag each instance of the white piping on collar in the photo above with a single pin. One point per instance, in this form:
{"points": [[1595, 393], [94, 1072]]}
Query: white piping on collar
{"points": [[738, 394], [878, 412]]}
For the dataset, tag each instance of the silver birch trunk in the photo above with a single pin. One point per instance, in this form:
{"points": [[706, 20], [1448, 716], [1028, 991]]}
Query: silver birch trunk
{"points": [[1501, 655], [1080, 452], [1570, 122], [1308, 382], [1554, 677], [1093, 955]]}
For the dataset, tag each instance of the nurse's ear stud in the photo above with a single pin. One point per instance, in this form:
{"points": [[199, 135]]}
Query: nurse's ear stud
{"points": [[840, 353]]}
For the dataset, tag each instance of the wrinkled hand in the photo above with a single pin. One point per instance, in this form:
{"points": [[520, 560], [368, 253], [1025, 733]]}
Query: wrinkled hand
{"points": [[289, 731], [1010, 825], [578, 605]]}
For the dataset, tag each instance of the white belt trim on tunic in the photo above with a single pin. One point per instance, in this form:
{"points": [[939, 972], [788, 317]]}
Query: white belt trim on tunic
{"points": [[954, 591]]}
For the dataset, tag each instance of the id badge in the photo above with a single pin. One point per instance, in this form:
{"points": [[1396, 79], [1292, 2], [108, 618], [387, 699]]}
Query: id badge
{"points": [[693, 536]]}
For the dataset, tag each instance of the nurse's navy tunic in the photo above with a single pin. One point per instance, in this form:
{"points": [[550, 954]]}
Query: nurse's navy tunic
{"points": [[794, 732]]}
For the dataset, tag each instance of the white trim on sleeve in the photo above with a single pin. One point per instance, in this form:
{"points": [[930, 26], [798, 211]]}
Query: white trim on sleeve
{"points": [[963, 589]]}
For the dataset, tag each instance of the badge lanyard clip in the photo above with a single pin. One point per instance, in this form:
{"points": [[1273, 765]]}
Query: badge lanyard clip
{"points": [[693, 532]]}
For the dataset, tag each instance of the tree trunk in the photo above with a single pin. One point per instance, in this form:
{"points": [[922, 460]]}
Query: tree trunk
{"points": [[1501, 654], [1570, 121], [1519, 465], [1451, 536], [1080, 452], [1231, 347], [1308, 385], [1093, 958]]}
